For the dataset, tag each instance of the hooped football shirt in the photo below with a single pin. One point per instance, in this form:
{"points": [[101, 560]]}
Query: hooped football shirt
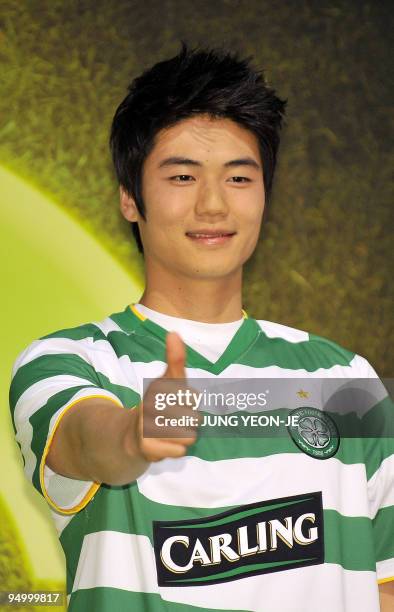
{"points": [[256, 524]]}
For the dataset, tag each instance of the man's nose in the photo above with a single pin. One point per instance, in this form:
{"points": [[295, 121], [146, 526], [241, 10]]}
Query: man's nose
{"points": [[211, 201]]}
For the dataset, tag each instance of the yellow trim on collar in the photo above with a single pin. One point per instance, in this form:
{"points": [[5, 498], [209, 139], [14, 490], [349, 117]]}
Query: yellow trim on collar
{"points": [[95, 485], [137, 313]]}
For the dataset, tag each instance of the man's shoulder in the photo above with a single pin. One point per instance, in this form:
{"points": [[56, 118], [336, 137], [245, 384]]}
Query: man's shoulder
{"points": [[80, 339], [315, 345], [96, 330]]}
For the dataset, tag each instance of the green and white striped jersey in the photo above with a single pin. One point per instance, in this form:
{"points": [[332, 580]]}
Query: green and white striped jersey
{"points": [[240, 523]]}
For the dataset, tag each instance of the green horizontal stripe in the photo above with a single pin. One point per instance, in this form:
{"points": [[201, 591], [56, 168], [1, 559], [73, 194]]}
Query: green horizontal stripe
{"points": [[107, 599], [348, 541], [370, 452], [383, 526]]}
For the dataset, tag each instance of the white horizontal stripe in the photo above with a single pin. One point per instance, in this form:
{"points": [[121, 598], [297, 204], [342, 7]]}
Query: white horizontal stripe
{"points": [[193, 482], [126, 561], [119, 560], [278, 330], [381, 486], [385, 569]]}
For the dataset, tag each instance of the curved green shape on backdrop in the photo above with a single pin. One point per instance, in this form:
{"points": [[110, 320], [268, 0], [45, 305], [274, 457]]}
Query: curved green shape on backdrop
{"points": [[54, 275]]}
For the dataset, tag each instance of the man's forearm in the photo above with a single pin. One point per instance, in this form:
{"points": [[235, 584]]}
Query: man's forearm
{"points": [[386, 592], [98, 441]]}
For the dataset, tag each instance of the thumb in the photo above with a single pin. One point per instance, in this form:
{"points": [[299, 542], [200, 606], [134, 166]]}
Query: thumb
{"points": [[175, 356]]}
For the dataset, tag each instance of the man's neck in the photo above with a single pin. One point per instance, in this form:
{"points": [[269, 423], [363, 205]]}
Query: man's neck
{"points": [[208, 301]]}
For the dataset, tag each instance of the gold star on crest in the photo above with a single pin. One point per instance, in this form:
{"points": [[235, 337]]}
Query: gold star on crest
{"points": [[302, 393]]}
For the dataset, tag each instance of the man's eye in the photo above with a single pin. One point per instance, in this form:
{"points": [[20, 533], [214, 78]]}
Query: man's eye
{"points": [[182, 178], [240, 179]]}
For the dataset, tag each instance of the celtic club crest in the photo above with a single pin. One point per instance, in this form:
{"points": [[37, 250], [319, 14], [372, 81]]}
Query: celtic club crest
{"points": [[315, 433]]}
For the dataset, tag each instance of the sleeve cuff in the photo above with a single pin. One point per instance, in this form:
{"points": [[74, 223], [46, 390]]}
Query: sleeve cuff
{"points": [[63, 494]]}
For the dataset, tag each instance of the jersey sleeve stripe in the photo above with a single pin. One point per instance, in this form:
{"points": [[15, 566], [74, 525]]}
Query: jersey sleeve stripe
{"points": [[40, 392], [44, 367]]}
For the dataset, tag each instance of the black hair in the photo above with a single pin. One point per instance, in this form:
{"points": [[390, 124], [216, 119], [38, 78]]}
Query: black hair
{"points": [[196, 81]]}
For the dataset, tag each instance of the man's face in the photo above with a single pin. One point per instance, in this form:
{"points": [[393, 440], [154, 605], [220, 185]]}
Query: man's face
{"points": [[203, 190]]}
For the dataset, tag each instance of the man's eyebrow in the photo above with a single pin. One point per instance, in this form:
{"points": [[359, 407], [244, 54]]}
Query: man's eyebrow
{"points": [[243, 161], [179, 161], [185, 161]]}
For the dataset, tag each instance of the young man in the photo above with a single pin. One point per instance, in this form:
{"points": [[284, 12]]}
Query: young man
{"points": [[191, 522]]}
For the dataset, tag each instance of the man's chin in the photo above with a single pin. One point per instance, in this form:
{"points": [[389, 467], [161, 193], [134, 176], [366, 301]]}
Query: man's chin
{"points": [[210, 272]]}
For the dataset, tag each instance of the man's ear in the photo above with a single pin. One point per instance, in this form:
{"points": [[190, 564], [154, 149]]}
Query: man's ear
{"points": [[128, 206]]}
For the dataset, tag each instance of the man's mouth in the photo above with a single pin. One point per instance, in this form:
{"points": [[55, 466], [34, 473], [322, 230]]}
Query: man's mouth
{"points": [[210, 237]]}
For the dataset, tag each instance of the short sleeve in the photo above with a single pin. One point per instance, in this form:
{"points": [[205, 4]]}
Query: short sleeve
{"points": [[49, 377], [379, 453]]}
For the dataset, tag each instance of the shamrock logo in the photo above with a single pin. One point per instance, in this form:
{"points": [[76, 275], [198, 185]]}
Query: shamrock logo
{"points": [[314, 431]]}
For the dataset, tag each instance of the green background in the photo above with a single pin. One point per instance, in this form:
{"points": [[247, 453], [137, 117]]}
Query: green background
{"points": [[325, 258]]}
